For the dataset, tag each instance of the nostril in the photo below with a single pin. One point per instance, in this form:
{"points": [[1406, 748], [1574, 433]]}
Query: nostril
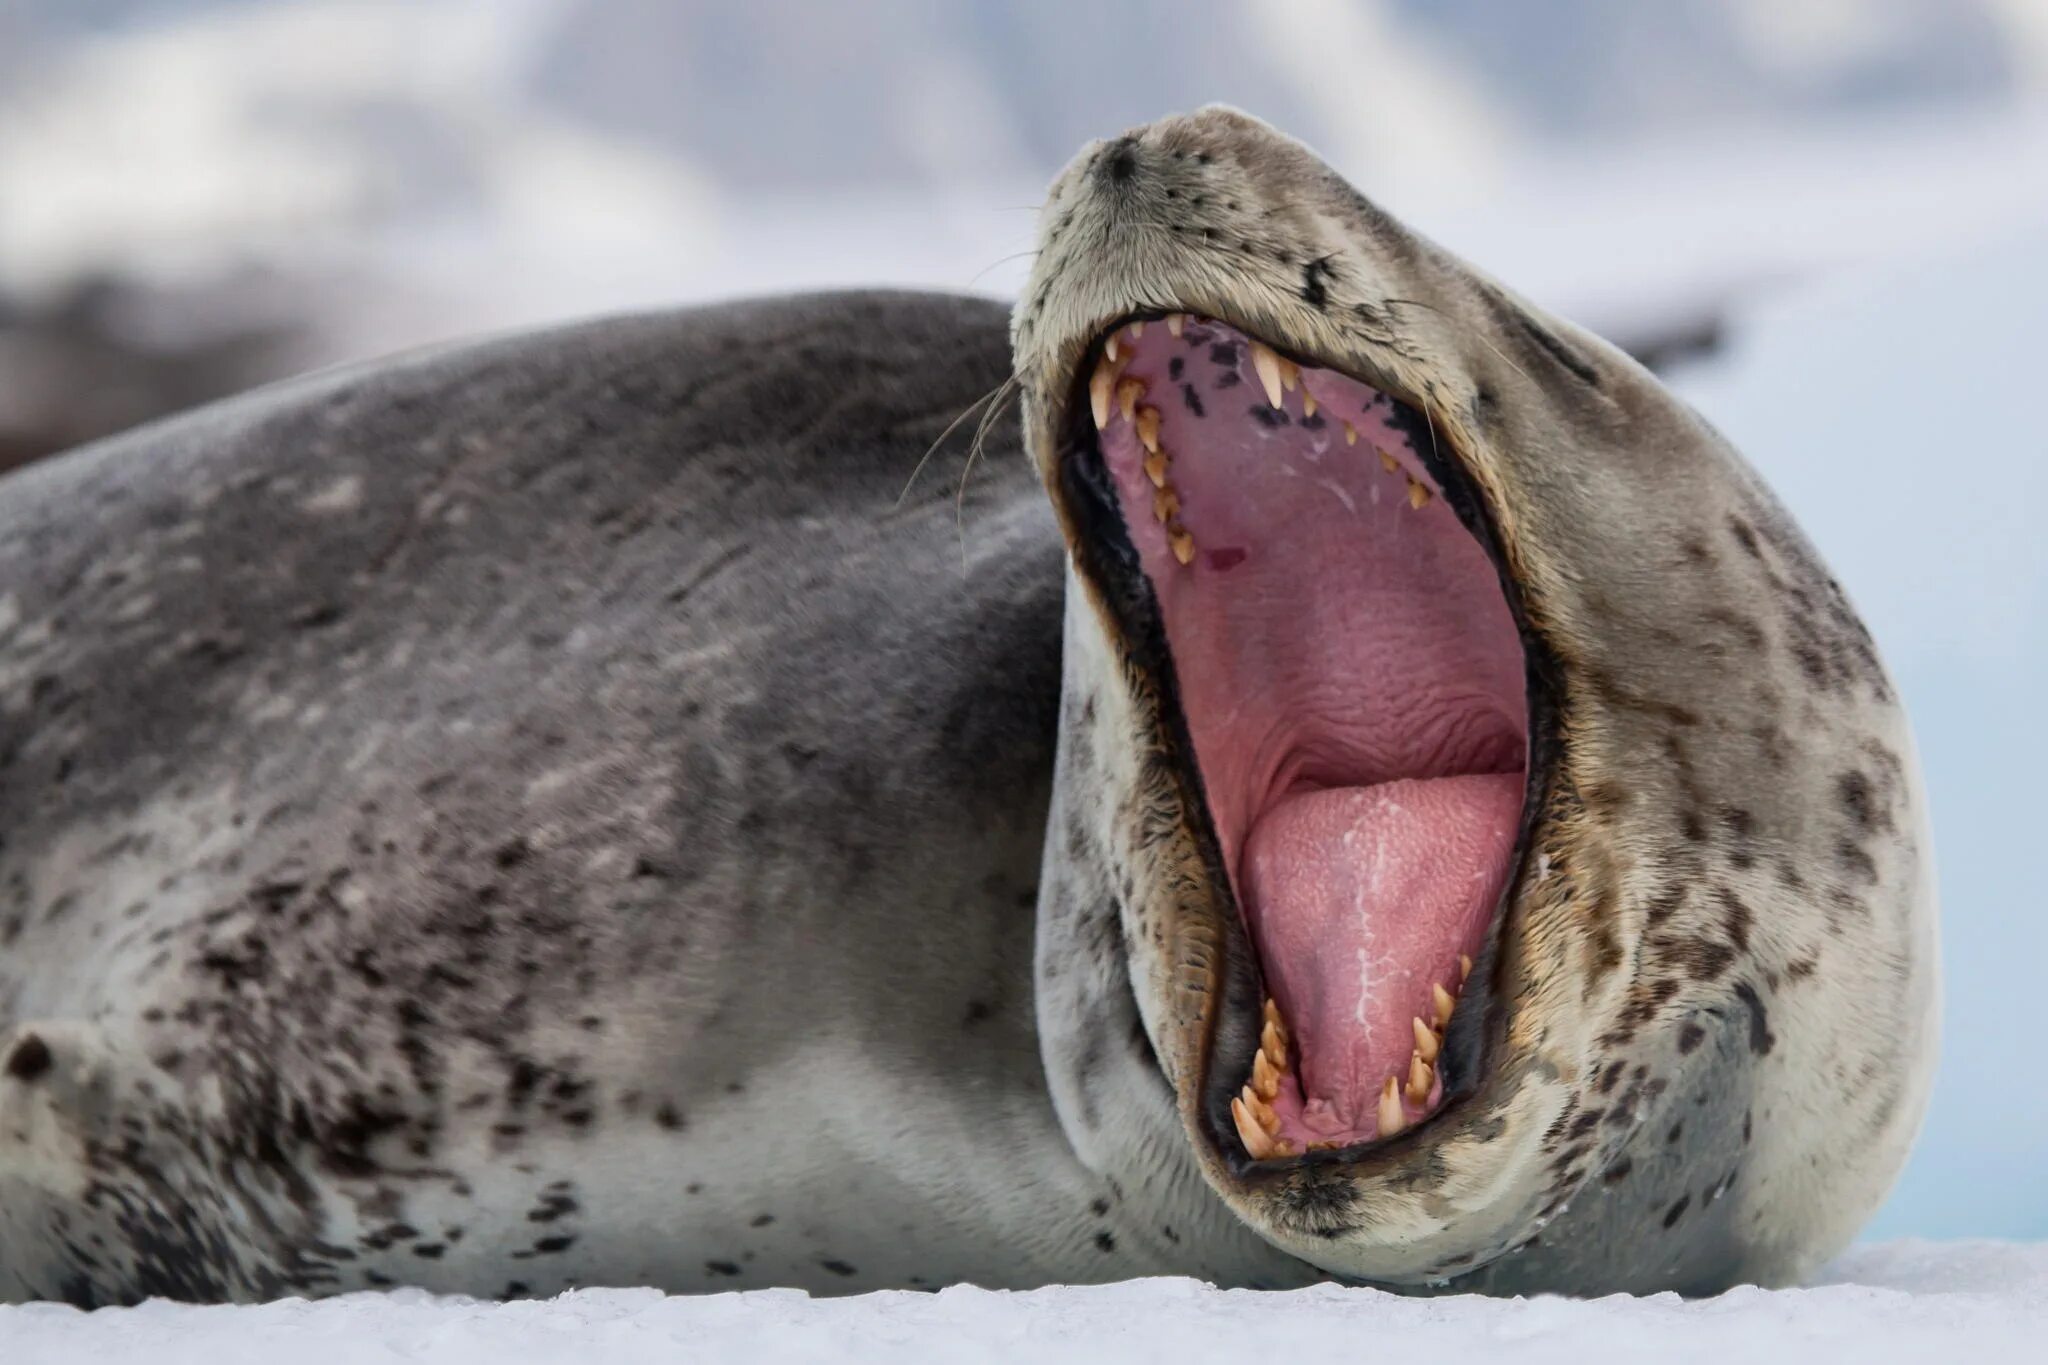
{"points": [[1120, 162]]}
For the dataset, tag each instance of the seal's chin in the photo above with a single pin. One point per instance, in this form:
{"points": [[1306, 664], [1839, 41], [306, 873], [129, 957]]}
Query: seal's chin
{"points": [[1352, 681]]}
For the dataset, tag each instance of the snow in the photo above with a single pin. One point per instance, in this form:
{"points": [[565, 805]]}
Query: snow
{"points": [[1900, 1301]]}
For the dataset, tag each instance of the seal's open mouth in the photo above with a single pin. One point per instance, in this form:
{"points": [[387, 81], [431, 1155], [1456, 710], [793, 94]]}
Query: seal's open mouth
{"points": [[1352, 681]]}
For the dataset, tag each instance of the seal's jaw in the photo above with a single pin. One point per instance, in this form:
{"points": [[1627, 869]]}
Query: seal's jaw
{"points": [[1353, 686]]}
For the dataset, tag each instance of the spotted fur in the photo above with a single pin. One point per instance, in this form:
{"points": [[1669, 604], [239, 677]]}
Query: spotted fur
{"points": [[1709, 1015]]}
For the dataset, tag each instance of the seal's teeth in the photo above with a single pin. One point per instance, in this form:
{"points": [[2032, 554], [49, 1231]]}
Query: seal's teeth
{"points": [[1109, 349], [1100, 385], [1265, 1076], [1444, 1001], [1155, 468], [1387, 461], [1127, 395], [1464, 968], [1426, 1043], [1261, 1111], [1148, 426], [1183, 543], [1392, 1118], [1418, 493], [1253, 1137], [1420, 1078], [1308, 404], [1350, 434], [1290, 375], [1176, 323], [1137, 328], [1282, 1147], [1273, 1042], [1268, 366], [1165, 504]]}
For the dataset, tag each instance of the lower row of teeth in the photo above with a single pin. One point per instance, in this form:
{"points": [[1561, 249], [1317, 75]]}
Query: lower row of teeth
{"points": [[1111, 393], [1258, 1124]]}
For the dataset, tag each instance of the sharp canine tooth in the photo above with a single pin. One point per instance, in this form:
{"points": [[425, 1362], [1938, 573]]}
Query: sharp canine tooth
{"points": [[1165, 504], [1137, 329], [1148, 427], [1155, 468], [1109, 348], [1183, 543], [1350, 434], [1308, 404], [1392, 1119], [1261, 1111], [1268, 366], [1464, 968], [1444, 1001], [1249, 1133], [1418, 493], [1100, 384], [1420, 1077], [1426, 1043], [1176, 323], [1127, 395], [1388, 461], [1265, 1076], [1282, 1147], [1290, 374]]}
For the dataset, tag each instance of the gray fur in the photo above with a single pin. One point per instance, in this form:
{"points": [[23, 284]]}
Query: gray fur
{"points": [[540, 814]]}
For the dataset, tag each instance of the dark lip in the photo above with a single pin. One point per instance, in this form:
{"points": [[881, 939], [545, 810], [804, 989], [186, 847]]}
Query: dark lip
{"points": [[1108, 557]]}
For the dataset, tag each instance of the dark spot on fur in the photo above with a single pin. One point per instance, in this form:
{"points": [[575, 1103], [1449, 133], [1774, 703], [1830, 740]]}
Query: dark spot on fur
{"points": [[1315, 278], [1104, 1242], [839, 1268], [721, 1268], [1690, 1037], [30, 1059], [1738, 918], [1618, 1172], [668, 1118], [1761, 1040], [1677, 1211], [1745, 536]]}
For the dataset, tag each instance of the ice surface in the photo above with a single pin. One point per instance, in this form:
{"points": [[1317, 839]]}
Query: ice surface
{"points": [[1903, 1301]]}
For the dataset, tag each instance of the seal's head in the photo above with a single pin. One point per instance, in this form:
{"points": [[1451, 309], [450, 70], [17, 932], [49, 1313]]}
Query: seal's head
{"points": [[1507, 831]]}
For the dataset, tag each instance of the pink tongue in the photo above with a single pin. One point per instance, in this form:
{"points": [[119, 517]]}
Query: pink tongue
{"points": [[1360, 898]]}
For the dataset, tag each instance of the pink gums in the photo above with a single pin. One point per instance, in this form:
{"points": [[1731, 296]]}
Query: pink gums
{"points": [[1353, 682]]}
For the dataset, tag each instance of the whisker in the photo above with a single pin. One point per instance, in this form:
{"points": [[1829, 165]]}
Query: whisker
{"points": [[951, 427], [1418, 303], [989, 417], [1014, 256]]}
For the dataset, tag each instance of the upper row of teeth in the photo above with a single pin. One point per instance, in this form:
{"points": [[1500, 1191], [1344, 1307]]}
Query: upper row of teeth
{"points": [[1111, 392], [1258, 1124]]}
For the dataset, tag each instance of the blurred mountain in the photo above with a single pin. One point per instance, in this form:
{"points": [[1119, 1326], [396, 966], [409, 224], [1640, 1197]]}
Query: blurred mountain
{"points": [[418, 168]]}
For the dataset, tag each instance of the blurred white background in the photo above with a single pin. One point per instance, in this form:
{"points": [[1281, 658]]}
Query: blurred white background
{"points": [[1827, 220]]}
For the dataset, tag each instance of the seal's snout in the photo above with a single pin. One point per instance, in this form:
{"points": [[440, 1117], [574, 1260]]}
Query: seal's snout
{"points": [[1117, 164]]}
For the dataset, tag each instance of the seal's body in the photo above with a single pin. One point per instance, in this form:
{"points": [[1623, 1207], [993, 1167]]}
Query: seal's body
{"points": [[554, 812], [542, 814]]}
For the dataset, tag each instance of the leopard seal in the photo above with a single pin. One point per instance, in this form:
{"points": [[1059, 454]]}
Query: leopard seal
{"points": [[1364, 785]]}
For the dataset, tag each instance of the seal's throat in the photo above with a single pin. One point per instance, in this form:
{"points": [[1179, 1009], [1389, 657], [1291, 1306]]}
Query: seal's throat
{"points": [[1353, 683]]}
